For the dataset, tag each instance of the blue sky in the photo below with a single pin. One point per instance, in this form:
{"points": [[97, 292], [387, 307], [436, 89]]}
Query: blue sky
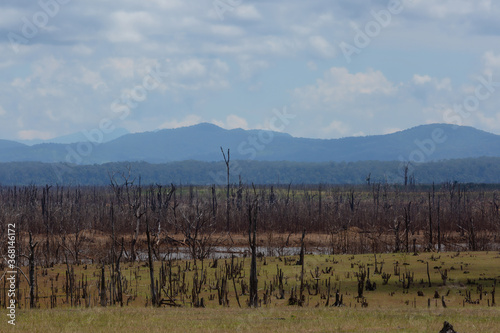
{"points": [[63, 63]]}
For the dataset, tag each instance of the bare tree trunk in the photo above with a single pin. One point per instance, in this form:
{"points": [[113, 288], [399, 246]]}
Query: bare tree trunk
{"points": [[397, 240], [438, 225], [319, 203], [226, 160], [103, 288], [431, 244], [214, 203], [406, 174], [32, 271], [46, 218], [302, 251], [252, 232], [407, 226], [118, 278], [133, 253], [151, 267]]}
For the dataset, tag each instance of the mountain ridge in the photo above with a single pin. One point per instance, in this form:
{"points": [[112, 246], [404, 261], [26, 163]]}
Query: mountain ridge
{"points": [[202, 142]]}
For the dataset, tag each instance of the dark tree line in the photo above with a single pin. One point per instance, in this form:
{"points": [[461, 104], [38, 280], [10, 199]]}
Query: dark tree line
{"points": [[473, 170]]}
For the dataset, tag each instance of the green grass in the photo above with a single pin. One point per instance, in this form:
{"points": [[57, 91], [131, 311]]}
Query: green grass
{"points": [[265, 319], [390, 307]]}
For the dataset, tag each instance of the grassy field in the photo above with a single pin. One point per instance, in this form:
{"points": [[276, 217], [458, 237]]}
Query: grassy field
{"points": [[396, 306], [272, 319]]}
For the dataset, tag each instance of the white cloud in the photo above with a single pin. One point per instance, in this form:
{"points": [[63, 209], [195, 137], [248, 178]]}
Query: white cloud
{"points": [[312, 65], [9, 17], [491, 59], [391, 130], [227, 30], [342, 103], [196, 74], [454, 8], [322, 46], [34, 134], [491, 63], [247, 12], [127, 26], [82, 50], [165, 4], [249, 66], [421, 79], [48, 69], [2, 111], [191, 68], [91, 78], [491, 123], [20, 83], [122, 67], [338, 84], [335, 129], [232, 122], [187, 121], [443, 84]]}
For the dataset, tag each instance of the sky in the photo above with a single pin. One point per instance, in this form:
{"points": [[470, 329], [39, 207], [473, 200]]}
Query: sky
{"points": [[334, 68]]}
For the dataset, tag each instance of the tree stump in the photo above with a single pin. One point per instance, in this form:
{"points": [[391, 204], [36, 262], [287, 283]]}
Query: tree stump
{"points": [[447, 328]]}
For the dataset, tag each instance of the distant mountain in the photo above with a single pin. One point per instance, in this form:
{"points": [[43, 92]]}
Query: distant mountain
{"points": [[77, 137], [202, 142]]}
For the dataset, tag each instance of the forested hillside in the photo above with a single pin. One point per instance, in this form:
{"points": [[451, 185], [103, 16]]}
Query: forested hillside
{"points": [[202, 142], [472, 170]]}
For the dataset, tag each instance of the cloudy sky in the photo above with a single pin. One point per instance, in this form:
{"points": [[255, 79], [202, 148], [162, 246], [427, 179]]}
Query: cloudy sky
{"points": [[341, 67]]}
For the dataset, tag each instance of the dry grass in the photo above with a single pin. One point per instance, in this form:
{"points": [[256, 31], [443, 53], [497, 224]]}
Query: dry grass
{"points": [[390, 307], [255, 320]]}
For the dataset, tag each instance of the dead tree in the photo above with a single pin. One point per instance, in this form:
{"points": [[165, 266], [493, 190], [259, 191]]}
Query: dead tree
{"points": [[447, 327], [198, 228], [406, 168], [102, 292], [361, 276], [154, 296], [431, 244], [118, 276], [46, 220], [32, 271], [158, 203], [407, 217], [134, 203], [214, 203], [252, 240], [438, 224], [138, 211], [302, 252], [396, 228], [226, 160]]}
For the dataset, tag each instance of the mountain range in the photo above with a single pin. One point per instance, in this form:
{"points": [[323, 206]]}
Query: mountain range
{"points": [[77, 137], [202, 142]]}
